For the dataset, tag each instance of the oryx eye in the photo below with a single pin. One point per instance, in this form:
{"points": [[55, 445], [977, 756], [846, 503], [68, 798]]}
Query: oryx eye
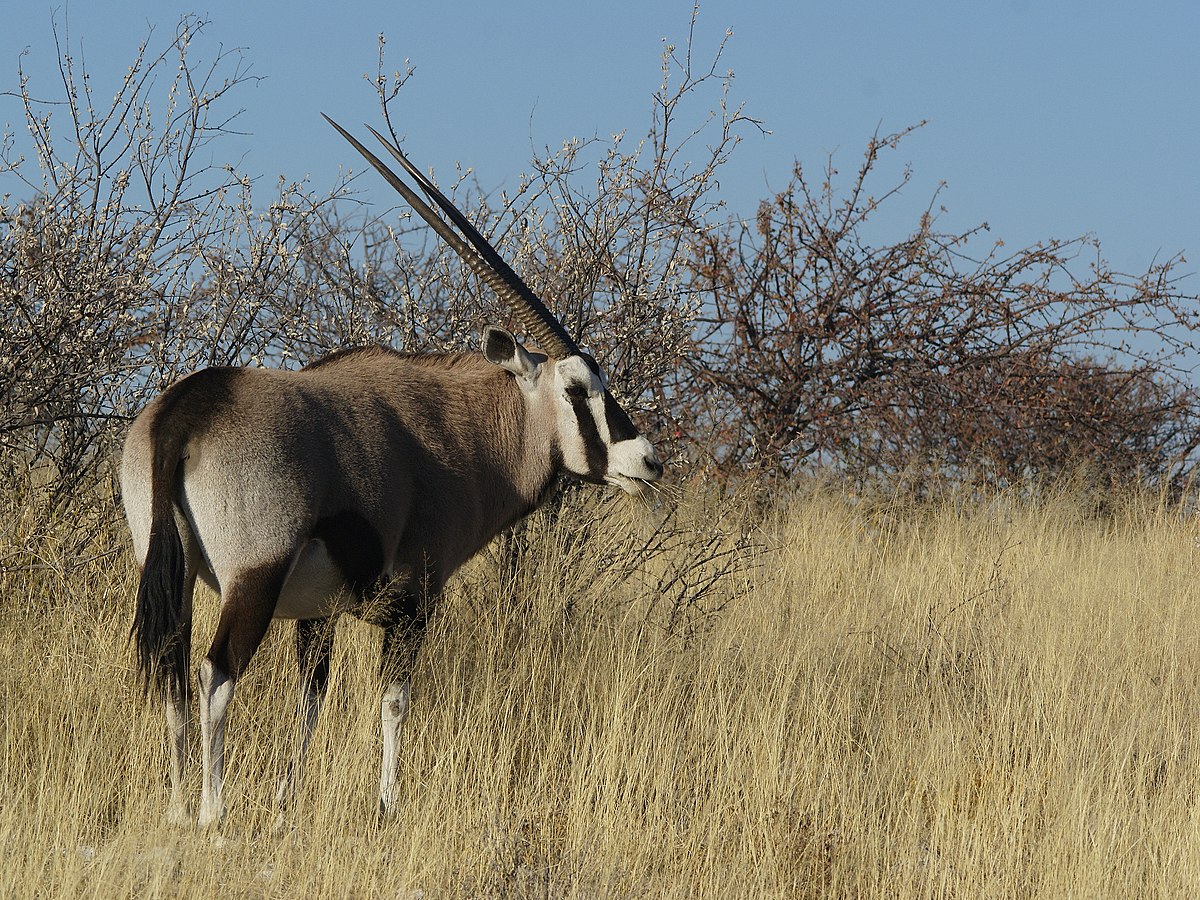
{"points": [[576, 392]]}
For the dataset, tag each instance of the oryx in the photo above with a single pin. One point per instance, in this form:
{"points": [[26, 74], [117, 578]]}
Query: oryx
{"points": [[370, 475]]}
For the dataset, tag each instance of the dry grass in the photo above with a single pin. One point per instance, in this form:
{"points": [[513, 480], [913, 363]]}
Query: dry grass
{"points": [[967, 699]]}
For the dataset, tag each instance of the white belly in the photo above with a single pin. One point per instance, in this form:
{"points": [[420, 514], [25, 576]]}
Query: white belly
{"points": [[315, 587]]}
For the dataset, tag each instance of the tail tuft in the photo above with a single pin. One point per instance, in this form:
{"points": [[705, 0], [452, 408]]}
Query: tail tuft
{"points": [[161, 634]]}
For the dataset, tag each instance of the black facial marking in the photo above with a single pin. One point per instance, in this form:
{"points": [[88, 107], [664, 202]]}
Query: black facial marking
{"points": [[557, 467], [355, 548], [594, 450], [620, 428]]}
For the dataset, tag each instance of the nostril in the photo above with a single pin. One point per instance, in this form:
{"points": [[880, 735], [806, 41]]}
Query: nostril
{"points": [[654, 466]]}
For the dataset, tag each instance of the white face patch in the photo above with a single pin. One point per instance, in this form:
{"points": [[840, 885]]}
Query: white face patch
{"points": [[596, 438], [632, 465], [599, 441], [582, 430]]}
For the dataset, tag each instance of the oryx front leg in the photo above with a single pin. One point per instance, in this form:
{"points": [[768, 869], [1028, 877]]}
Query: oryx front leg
{"points": [[394, 710], [400, 646], [314, 644], [246, 609]]}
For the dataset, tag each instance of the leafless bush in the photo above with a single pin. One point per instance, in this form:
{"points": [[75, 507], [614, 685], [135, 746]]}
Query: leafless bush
{"points": [[115, 270], [675, 568], [789, 342], [820, 348], [601, 226], [127, 262]]}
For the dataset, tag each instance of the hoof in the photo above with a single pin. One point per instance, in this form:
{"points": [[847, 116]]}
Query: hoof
{"points": [[177, 816], [211, 816], [280, 826]]}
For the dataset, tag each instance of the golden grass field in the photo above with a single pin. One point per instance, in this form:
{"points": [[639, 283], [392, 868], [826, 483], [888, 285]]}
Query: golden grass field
{"points": [[816, 697]]}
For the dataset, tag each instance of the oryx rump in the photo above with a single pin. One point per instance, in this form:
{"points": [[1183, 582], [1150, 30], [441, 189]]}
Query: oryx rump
{"points": [[370, 475]]}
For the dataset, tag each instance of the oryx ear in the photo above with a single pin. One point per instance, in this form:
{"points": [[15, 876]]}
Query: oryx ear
{"points": [[502, 349]]}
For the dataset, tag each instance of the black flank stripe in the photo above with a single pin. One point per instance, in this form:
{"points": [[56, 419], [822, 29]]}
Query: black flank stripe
{"points": [[355, 547], [593, 447]]}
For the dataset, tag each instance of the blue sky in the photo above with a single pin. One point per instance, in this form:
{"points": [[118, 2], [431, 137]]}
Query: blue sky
{"points": [[1046, 119]]}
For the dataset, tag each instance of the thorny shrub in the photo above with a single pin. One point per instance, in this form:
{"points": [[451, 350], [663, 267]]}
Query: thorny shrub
{"points": [[817, 347], [133, 263], [776, 345]]}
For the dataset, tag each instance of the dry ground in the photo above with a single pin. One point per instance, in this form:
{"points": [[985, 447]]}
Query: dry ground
{"points": [[986, 698]]}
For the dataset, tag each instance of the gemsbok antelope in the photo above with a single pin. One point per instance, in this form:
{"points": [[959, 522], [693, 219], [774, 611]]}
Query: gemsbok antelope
{"points": [[358, 484]]}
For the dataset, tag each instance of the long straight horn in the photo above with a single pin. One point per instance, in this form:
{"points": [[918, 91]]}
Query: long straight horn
{"points": [[482, 257], [527, 297]]}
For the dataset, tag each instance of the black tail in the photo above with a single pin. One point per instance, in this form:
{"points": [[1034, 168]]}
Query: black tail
{"points": [[161, 629]]}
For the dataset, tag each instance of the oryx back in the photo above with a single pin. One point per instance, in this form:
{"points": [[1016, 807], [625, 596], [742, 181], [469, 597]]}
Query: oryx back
{"points": [[356, 469]]}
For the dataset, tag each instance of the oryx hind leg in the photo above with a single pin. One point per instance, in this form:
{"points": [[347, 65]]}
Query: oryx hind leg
{"points": [[401, 642], [177, 707], [314, 645], [247, 606]]}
